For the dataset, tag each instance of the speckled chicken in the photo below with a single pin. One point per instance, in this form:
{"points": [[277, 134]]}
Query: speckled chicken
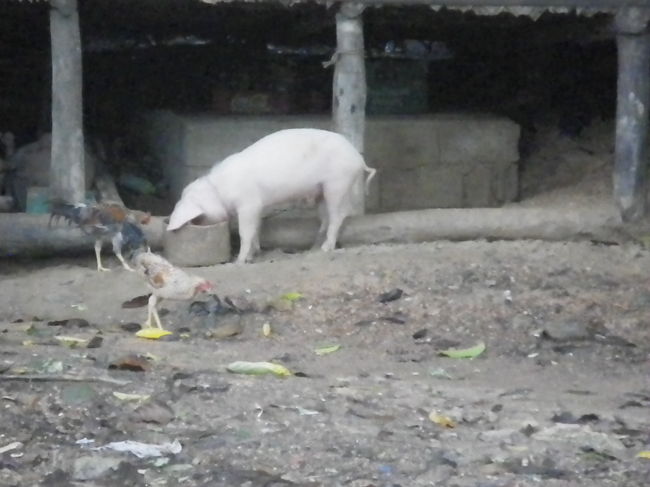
{"points": [[166, 282], [106, 222]]}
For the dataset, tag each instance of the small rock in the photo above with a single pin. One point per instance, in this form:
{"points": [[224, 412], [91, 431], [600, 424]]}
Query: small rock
{"points": [[420, 334], [154, 412], [392, 295], [93, 467], [95, 342], [567, 330], [226, 328], [131, 327]]}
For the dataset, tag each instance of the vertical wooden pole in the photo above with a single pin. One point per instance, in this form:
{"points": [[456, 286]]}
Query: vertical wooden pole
{"points": [[633, 99], [67, 172], [349, 90]]}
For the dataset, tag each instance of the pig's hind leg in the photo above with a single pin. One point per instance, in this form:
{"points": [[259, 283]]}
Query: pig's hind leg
{"points": [[249, 222], [324, 222], [338, 207]]}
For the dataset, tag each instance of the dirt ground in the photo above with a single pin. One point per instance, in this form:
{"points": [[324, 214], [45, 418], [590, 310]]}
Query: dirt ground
{"points": [[559, 397]]}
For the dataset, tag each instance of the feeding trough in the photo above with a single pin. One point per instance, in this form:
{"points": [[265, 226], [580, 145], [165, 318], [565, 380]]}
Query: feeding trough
{"points": [[197, 245]]}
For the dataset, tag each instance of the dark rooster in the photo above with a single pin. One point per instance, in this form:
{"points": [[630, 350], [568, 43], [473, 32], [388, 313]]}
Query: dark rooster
{"points": [[106, 222]]}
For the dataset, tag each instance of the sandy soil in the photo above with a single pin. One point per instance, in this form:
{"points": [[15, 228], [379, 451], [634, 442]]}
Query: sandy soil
{"points": [[560, 397]]}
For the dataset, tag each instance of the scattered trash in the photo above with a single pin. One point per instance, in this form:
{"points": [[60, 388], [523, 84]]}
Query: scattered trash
{"points": [[84, 441], [133, 363], [152, 333], [471, 352], [306, 412], [71, 342], [123, 396], [137, 302], [444, 421], [643, 454], [258, 368], [440, 374], [11, 447], [266, 330], [51, 367], [143, 450], [392, 295], [79, 307], [326, 349]]}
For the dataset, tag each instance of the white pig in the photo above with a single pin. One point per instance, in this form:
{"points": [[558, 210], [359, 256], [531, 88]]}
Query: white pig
{"points": [[285, 165]]}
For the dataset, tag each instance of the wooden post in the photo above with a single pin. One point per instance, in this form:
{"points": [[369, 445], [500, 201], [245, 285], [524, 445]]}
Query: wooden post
{"points": [[349, 90], [631, 160], [67, 171]]}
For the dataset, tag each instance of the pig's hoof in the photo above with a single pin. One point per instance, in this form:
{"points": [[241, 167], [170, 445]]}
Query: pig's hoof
{"points": [[327, 247]]}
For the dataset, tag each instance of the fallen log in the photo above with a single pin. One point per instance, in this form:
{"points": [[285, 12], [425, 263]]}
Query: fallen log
{"points": [[507, 223], [23, 234]]}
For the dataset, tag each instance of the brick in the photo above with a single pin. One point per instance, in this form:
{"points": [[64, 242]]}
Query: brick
{"points": [[425, 187], [465, 139]]}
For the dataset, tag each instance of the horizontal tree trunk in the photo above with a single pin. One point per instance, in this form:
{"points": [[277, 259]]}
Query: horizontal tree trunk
{"points": [[22, 234], [509, 223]]}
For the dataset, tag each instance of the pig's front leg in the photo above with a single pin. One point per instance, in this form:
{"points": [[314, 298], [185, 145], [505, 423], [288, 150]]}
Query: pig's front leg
{"points": [[249, 221]]}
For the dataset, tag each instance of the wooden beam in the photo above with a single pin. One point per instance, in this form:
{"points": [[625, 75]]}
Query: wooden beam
{"points": [[67, 171], [633, 102], [596, 222], [24, 234], [349, 84], [594, 4]]}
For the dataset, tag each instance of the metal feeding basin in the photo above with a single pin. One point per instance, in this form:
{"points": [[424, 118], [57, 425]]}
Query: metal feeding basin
{"points": [[197, 245]]}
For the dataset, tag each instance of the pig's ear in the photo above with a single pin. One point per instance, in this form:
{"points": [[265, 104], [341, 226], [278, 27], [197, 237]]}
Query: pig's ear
{"points": [[184, 212]]}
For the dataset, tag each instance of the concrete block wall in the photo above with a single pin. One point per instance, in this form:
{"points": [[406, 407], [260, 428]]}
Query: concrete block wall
{"points": [[433, 161]]}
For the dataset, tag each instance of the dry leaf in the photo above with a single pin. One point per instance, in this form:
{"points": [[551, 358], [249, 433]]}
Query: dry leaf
{"points": [[444, 421]]}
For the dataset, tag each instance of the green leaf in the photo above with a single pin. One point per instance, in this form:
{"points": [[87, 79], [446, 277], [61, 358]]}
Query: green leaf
{"points": [[292, 296], [71, 342], [471, 352], [258, 368], [326, 349]]}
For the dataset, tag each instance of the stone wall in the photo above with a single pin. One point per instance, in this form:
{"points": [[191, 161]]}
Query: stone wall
{"points": [[433, 161]]}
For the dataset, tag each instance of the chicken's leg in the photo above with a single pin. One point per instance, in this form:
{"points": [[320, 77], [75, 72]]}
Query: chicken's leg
{"points": [[152, 313], [98, 251], [124, 263], [117, 242]]}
